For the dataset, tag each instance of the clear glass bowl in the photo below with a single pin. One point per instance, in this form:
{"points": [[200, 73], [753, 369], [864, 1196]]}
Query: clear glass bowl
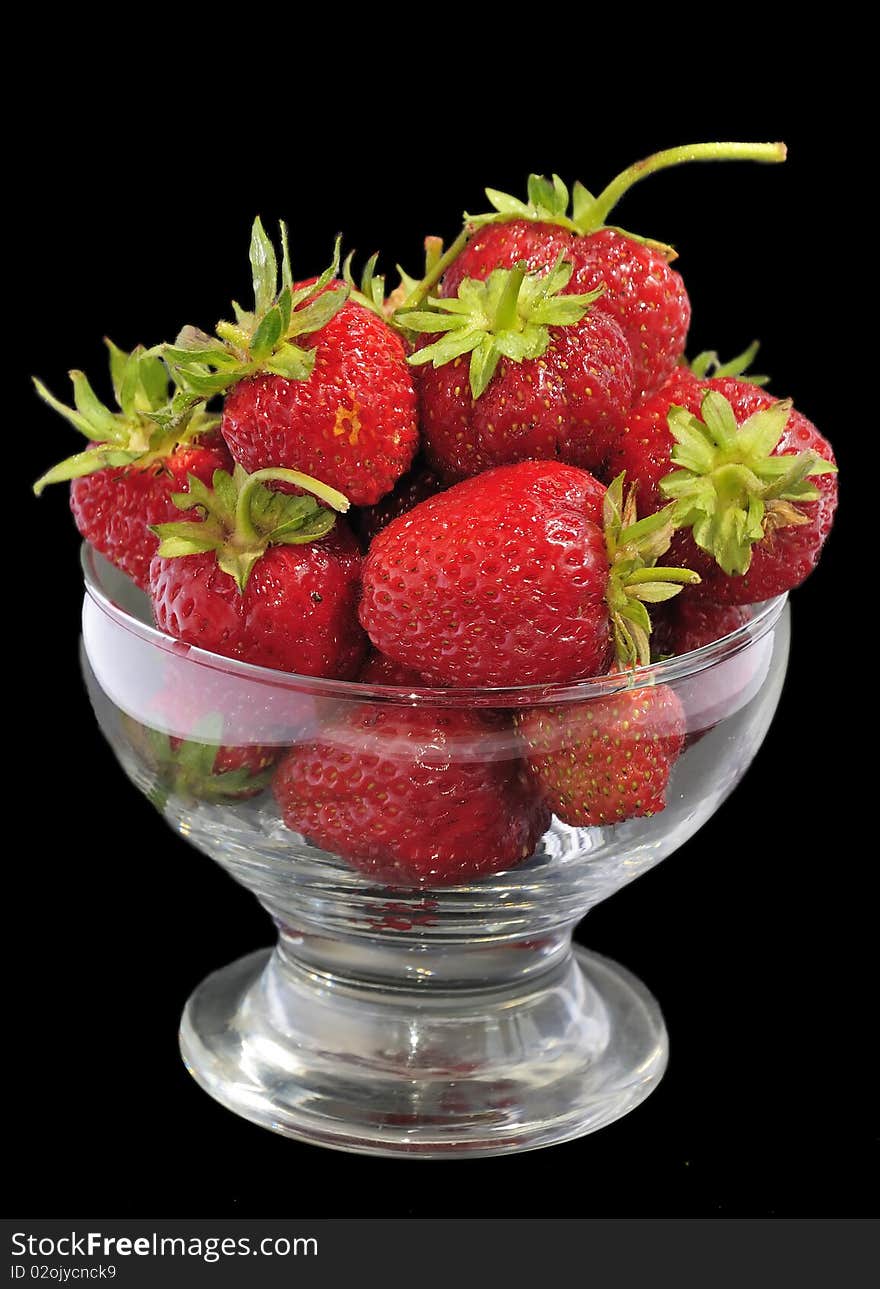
{"points": [[422, 1018]]}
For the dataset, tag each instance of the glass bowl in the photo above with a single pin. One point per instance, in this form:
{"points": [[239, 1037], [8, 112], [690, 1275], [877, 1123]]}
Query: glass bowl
{"points": [[407, 1009]]}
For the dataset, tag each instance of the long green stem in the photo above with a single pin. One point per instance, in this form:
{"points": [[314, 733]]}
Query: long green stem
{"points": [[243, 525], [610, 196], [437, 270]]}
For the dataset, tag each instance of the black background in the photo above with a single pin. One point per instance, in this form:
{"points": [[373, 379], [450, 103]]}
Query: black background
{"points": [[132, 219]]}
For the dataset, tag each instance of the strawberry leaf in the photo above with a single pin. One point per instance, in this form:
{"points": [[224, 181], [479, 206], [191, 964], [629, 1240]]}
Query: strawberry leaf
{"points": [[708, 366], [266, 335], [264, 268], [84, 463], [316, 315], [370, 292], [184, 538], [291, 362]]}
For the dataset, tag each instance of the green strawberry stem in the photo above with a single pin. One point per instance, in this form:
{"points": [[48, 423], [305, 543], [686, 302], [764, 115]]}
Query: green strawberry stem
{"points": [[730, 489], [548, 199], [506, 317], [635, 579], [436, 270], [611, 195], [243, 520]]}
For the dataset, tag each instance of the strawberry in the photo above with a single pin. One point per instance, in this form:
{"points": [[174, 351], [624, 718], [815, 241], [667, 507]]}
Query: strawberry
{"points": [[744, 484], [421, 482], [263, 577], [547, 377], [414, 796], [202, 768], [509, 579], [600, 762], [137, 458], [313, 380], [606, 760], [642, 293]]}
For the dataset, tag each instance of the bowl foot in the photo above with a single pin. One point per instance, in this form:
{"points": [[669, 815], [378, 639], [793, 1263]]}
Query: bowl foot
{"points": [[421, 1072]]}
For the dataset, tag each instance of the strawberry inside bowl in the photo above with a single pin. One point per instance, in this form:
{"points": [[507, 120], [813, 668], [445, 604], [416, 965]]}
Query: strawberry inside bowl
{"points": [[488, 819]]}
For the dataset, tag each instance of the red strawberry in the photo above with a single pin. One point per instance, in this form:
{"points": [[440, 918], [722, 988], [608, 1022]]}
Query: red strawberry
{"points": [[202, 768], [262, 577], [314, 381], [606, 760], [420, 483], [547, 377], [642, 293], [756, 483], [136, 459], [413, 795], [509, 579]]}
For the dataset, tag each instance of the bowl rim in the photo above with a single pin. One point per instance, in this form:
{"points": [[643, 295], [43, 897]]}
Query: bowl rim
{"points": [[765, 616]]}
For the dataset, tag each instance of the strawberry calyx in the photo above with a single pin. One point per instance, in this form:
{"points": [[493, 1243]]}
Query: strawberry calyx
{"points": [[370, 291], [708, 366], [548, 199], [148, 425], [729, 490], [242, 518], [634, 579], [262, 339], [508, 315]]}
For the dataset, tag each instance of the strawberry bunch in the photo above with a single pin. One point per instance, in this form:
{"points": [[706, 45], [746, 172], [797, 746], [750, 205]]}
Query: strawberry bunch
{"points": [[492, 477]]}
